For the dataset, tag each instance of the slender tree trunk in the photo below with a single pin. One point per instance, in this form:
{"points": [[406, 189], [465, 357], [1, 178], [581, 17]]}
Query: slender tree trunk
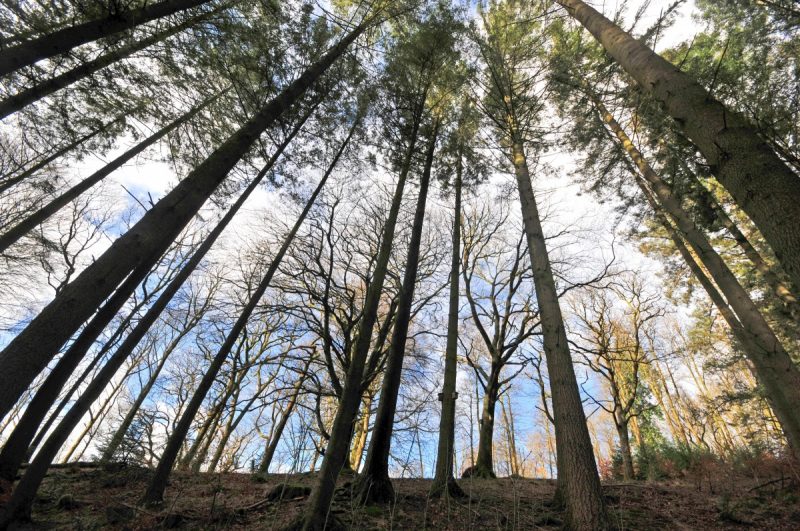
{"points": [[22, 99], [155, 490], [578, 481], [760, 182], [444, 484], [19, 507], [37, 218], [375, 484], [773, 365], [33, 348], [97, 418], [316, 513], [16, 179], [277, 433], [194, 457], [29, 52], [508, 420]]}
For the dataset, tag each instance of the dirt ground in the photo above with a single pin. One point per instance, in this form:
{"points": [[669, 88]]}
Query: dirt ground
{"points": [[93, 498]]}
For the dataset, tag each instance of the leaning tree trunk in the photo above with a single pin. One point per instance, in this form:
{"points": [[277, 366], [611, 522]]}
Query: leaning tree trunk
{"points": [[19, 506], [22, 99], [31, 350], [444, 484], [316, 513], [773, 366], [15, 57], [760, 182], [578, 481], [19, 441], [158, 483], [374, 484], [37, 218]]}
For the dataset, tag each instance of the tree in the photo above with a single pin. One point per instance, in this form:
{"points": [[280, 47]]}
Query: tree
{"points": [[499, 291], [463, 163], [614, 345], [513, 107], [376, 485]]}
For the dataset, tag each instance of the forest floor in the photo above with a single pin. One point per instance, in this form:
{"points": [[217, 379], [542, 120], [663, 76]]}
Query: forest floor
{"points": [[92, 498]]}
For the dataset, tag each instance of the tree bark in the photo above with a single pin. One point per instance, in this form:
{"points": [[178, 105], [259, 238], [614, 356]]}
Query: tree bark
{"points": [[360, 435], [444, 483], [774, 367], [15, 57], [22, 99], [158, 483], [35, 346], [760, 182], [316, 513], [375, 485], [578, 481], [37, 218]]}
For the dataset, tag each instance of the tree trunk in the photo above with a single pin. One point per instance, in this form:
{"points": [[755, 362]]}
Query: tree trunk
{"points": [[375, 485], [773, 365], [15, 57], [511, 437], [155, 490], [194, 457], [578, 481], [484, 464], [444, 483], [22, 99], [37, 218], [316, 513], [31, 350], [760, 182], [360, 436]]}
